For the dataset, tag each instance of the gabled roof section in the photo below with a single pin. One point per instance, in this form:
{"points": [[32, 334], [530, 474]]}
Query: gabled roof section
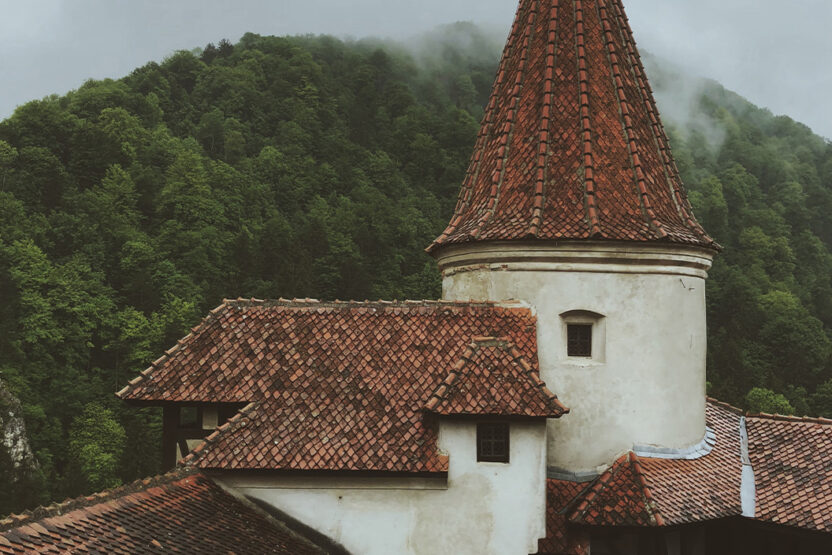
{"points": [[619, 497], [244, 349], [332, 386], [792, 461], [791, 484], [571, 145], [182, 512], [644, 491], [492, 378]]}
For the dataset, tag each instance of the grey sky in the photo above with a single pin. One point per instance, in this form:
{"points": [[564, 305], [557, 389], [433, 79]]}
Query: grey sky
{"points": [[775, 53]]}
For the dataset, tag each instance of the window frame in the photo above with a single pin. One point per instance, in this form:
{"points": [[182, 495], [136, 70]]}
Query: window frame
{"points": [[598, 337], [505, 430]]}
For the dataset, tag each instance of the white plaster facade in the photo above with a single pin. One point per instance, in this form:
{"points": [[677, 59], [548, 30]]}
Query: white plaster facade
{"points": [[480, 507], [645, 382]]}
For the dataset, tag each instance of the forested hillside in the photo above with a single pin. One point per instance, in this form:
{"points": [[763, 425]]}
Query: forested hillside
{"points": [[311, 167]]}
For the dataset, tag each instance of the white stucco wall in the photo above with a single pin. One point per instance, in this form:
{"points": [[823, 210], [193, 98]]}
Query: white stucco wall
{"points": [[648, 387], [482, 508]]}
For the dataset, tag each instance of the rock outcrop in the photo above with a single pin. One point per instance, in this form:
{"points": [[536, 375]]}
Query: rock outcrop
{"points": [[14, 443]]}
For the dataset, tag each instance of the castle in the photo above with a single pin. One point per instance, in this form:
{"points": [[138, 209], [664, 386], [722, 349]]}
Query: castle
{"points": [[553, 402]]}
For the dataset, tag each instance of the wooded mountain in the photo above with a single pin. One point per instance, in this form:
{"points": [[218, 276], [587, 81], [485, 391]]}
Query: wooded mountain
{"points": [[312, 167]]}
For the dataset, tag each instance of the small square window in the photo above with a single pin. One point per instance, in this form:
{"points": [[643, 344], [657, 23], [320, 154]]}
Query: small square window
{"points": [[493, 443], [579, 340]]}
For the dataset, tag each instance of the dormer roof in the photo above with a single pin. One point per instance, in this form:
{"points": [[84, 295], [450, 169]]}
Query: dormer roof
{"points": [[493, 378], [571, 146]]}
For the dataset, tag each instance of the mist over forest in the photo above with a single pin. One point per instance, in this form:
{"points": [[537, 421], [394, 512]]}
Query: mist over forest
{"points": [[314, 167]]}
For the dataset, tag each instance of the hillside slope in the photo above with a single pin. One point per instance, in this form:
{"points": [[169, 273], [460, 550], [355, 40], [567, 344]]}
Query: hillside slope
{"points": [[311, 167]]}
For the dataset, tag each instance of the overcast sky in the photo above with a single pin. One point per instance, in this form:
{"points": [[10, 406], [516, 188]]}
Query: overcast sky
{"points": [[776, 53]]}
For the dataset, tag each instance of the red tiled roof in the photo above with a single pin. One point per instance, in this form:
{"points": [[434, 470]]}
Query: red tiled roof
{"points": [[180, 512], [493, 378], [705, 488], [571, 146], [792, 461], [336, 386], [646, 491], [790, 458], [560, 539], [619, 497]]}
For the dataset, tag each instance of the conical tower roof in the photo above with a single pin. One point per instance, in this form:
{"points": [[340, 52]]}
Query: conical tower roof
{"points": [[571, 146]]}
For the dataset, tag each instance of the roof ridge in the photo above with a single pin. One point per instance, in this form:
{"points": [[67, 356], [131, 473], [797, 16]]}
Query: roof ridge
{"points": [[508, 130], [408, 303], [627, 460], [545, 123], [485, 131], [586, 124], [592, 491], [650, 501], [790, 418], [770, 416], [450, 380], [13, 521], [534, 375], [630, 134], [724, 405]]}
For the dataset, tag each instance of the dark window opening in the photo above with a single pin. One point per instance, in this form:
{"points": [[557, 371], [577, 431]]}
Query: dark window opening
{"points": [[492, 443], [189, 417], [579, 340]]}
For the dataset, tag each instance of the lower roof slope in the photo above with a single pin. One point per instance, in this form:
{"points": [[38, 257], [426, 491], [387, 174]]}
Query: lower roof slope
{"points": [[792, 461], [337, 386], [644, 491], [180, 512]]}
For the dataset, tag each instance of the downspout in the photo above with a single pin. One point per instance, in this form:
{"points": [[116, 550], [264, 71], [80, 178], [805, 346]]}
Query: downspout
{"points": [[748, 488]]}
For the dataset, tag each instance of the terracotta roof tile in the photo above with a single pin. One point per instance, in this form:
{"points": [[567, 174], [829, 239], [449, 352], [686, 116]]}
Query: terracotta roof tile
{"points": [[561, 539], [571, 145], [492, 378], [644, 491], [180, 512], [792, 468], [792, 461], [704, 488], [335, 386], [619, 497]]}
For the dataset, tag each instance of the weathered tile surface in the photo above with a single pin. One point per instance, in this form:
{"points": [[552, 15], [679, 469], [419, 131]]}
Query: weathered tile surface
{"points": [[792, 461], [571, 145], [179, 513], [336, 386], [561, 539], [643, 491], [492, 378]]}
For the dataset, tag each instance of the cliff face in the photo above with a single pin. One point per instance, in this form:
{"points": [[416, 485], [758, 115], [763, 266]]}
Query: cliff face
{"points": [[14, 444], [22, 484]]}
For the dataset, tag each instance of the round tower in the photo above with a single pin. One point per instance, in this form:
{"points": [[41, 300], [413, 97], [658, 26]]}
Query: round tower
{"points": [[572, 202]]}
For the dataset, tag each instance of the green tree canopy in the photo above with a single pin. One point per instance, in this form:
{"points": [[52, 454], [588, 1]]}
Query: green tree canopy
{"points": [[96, 446]]}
